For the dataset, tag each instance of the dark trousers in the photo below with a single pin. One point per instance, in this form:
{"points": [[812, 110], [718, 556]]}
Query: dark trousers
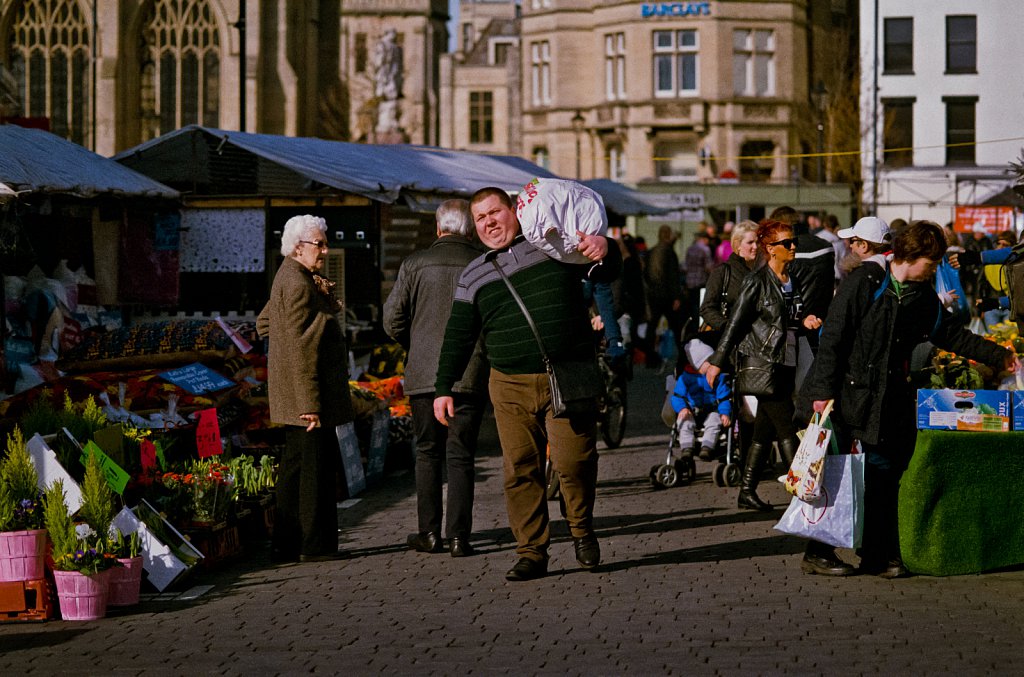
{"points": [[306, 520], [453, 446], [886, 463], [774, 419]]}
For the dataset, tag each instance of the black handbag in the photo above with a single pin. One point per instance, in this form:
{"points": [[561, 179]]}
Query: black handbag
{"points": [[575, 384], [754, 376]]}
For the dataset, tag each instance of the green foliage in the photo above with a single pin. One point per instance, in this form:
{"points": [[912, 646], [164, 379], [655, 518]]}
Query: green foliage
{"points": [[59, 524], [41, 418], [20, 497], [955, 372], [97, 499], [253, 480], [127, 548]]}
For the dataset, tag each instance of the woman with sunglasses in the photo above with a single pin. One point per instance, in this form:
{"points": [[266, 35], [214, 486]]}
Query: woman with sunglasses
{"points": [[763, 327]]}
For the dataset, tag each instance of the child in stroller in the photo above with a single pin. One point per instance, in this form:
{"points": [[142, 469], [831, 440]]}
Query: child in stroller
{"points": [[697, 403]]}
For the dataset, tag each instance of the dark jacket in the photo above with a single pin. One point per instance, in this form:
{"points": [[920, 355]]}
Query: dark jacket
{"points": [[757, 323], [866, 343], [307, 362], [727, 277], [815, 269], [628, 290], [662, 274], [417, 310]]}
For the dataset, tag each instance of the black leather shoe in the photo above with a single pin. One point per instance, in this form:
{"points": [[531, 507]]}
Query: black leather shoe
{"points": [[825, 566], [894, 569], [425, 541], [588, 552], [527, 569], [705, 454], [459, 546]]}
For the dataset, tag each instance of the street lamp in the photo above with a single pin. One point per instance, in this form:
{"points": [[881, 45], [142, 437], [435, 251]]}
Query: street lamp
{"points": [[819, 96], [577, 127]]}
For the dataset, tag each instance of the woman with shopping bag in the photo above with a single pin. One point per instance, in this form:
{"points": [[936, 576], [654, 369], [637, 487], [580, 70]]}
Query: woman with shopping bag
{"points": [[763, 326], [875, 322]]}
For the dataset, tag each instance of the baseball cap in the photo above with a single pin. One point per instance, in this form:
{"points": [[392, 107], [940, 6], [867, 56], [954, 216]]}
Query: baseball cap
{"points": [[869, 228]]}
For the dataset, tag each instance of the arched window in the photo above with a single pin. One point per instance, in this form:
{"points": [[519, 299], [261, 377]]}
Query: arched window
{"points": [[50, 59], [180, 69]]}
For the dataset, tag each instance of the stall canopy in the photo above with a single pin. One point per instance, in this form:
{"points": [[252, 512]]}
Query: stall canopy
{"points": [[34, 161], [625, 201], [385, 173]]}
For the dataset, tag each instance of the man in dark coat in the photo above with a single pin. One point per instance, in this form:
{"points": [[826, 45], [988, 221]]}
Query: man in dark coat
{"points": [[874, 324], [415, 315]]}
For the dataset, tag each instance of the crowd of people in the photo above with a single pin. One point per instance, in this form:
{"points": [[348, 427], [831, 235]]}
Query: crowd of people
{"points": [[770, 322]]}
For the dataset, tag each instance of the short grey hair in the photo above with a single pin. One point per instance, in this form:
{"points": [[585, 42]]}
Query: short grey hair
{"points": [[454, 217], [300, 228]]}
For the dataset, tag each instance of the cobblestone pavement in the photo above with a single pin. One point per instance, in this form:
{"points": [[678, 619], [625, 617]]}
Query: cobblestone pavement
{"points": [[689, 585]]}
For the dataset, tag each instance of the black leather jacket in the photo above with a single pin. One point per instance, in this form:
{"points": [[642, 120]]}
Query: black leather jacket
{"points": [[757, 321]]}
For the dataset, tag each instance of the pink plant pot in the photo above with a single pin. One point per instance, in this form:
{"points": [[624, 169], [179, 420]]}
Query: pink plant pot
{"points": [[22, 555], [82, 597], [125, 582]]}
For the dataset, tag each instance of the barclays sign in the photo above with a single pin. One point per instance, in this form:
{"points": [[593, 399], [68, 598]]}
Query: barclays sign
{"points": [[649, 9]]}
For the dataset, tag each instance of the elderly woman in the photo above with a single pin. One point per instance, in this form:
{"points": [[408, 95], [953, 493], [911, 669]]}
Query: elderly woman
{"points": [[308, 385]]}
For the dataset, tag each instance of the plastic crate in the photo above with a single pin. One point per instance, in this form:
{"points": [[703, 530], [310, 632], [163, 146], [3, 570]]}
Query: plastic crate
{"points": [[23, 601]]}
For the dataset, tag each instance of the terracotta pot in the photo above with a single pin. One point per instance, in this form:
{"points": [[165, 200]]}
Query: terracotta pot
{"points": [[125, 582], [82, 597], [22, 555]]}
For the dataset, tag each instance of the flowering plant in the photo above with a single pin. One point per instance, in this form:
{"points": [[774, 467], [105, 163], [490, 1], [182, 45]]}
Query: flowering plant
{"points": [[70, 552], [20, 499], [213, 490]]}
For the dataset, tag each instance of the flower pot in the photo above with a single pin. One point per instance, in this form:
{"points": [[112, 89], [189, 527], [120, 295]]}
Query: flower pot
{"points": [[82, 597], [125, 582], [22, 555]]}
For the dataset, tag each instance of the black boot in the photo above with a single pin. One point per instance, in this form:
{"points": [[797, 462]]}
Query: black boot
{"points": [[787, 450], [748, 500]]}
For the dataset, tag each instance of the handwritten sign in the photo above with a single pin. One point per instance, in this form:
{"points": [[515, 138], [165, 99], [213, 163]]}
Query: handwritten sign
{"points": [[117, 478], [197, 379], [378, 445], [350, 459], [147, 451], [208, 434]]}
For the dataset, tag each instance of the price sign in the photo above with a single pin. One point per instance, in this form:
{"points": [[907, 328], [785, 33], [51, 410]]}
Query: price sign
{"points": [[208, 434], [117, 478], [197, 379]]}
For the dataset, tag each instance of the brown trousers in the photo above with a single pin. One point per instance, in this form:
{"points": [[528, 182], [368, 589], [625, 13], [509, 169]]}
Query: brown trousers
{"points": [[522, 411]]}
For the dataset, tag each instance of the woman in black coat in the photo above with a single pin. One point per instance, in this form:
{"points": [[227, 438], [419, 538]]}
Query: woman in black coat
{"points": [[763, 327], [873, 325]]}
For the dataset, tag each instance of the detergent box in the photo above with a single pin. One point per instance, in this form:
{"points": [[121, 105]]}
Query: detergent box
{"points": [[1017, 397], [952, 409]]}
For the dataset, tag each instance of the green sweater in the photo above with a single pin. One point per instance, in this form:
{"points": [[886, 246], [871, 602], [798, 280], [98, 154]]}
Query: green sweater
{"points": [[552, 292]]}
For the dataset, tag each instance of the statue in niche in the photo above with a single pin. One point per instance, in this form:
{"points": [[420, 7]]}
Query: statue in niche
{"points": [[387, 76]]}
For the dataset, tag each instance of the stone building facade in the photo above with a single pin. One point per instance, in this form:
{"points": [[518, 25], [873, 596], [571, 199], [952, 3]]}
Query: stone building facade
{"points": [[111, 74]]}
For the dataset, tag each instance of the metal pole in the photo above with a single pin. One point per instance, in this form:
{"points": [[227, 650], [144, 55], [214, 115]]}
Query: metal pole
{"points": [[821, 152], [95, 40], [874, 119], [578, 153], [241, 65]]}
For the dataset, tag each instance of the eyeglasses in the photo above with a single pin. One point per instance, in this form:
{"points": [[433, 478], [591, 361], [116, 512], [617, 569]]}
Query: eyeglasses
{"points": [[319, 244], [788, 243]]}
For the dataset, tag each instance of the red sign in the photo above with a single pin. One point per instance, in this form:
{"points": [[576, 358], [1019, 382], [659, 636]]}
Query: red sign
{"points": [[992, 220], [208, 434]]}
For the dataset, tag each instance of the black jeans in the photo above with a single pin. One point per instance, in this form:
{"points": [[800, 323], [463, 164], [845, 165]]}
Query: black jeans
{"points": [[306, 519], [453, 446]]}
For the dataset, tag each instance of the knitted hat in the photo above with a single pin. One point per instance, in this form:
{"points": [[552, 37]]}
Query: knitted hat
{"points": [[697, 352]]}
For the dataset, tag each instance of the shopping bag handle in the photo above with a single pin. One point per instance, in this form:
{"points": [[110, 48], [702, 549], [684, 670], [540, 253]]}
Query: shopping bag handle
{"points": [[821, 417]]}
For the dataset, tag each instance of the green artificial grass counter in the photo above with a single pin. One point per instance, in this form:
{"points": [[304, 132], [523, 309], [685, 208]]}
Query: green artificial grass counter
{"points": [[961, 506]]}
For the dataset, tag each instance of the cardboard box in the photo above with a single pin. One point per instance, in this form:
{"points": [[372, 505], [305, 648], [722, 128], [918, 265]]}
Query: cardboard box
{"points": [[166, 554], [1017, 399], [975, 410]]}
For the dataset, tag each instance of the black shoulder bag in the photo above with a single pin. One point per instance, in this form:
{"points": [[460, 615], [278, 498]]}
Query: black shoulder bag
{"points": [[575, 384]]}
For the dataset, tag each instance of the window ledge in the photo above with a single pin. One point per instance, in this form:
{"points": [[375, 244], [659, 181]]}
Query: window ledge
{"points": [[899, 72], [960, 72]]}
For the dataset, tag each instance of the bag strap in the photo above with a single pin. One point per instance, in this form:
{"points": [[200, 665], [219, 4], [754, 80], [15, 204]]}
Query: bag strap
{"points": [[526, 313]]}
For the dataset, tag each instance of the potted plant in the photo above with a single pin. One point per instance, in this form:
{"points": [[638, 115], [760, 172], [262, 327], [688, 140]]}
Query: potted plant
{"points": [[81, 565], [126, 580], [214, 490], [22, 537]]}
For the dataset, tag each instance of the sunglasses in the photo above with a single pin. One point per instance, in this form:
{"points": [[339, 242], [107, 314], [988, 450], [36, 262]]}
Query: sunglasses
{"points": [[788, 243], [319, 244]]}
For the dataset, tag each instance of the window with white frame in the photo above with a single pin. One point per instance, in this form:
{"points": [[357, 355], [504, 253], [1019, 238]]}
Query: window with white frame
{"points": [[615, 66], [542, 158], [616, 162], [50, 60], [540, 72], [675, 63], [753, 63], [540, 4]]}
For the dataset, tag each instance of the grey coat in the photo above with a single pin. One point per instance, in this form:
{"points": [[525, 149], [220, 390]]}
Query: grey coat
{"points": [[417, 311], [307, 362]]}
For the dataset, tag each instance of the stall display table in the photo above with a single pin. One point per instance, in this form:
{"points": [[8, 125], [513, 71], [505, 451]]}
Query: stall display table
{"points": [[961, 506]]}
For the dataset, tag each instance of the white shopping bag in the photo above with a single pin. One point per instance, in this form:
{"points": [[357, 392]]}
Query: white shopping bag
{"points": [[837, 517], [554, 213], [805, 473]]}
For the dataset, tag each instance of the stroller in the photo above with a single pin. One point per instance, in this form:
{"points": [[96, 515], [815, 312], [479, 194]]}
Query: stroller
{"points": [[677, 470]]}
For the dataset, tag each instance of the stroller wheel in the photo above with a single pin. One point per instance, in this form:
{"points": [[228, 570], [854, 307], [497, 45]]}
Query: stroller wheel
{"points": [[719, 475], [731, 474], [666, 476]]}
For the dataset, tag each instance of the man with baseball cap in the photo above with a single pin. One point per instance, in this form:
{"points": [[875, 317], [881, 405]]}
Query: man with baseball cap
{"points": [[869, 239]]}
